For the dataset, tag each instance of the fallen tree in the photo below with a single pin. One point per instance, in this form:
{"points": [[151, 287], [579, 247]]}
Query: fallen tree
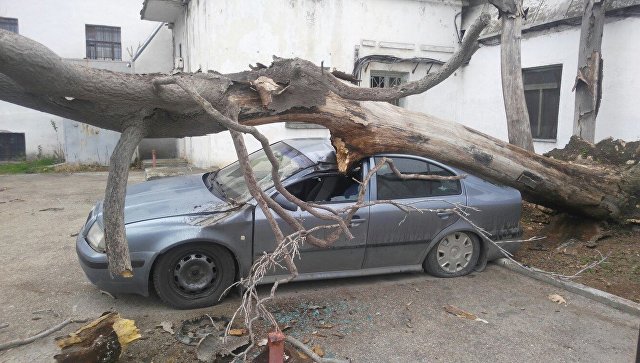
{"points": [[154, 105]]}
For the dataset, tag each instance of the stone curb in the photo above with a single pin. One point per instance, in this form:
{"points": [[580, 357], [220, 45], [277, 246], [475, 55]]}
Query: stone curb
{"points": [[600, 296]]}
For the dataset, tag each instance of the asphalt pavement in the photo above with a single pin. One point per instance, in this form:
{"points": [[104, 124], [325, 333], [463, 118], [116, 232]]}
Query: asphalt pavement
{"points": [[391, 318]]}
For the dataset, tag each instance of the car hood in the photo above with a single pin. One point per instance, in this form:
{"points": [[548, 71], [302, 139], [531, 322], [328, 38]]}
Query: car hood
{"points": [[170, 197]]}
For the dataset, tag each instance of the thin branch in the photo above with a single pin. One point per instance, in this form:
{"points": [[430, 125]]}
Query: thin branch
{"points": [[316, 358], [42, 334]]}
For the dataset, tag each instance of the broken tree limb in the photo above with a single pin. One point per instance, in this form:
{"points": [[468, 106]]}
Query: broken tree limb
{"points": [[518, 126], [588, 84], [114, 199], [468, 46]]}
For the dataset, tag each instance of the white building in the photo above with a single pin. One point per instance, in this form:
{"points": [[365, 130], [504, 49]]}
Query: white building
{"points": [[98, 33], [227, 35]]}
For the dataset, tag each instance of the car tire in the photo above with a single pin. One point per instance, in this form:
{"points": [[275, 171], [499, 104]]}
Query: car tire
{"points": [[193, 276], [456, 254]]}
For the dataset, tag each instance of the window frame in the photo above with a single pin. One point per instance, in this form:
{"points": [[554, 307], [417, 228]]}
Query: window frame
{"points": [[540, 87], [373, 183], [7, 20], [92, 43], [403, 76]]}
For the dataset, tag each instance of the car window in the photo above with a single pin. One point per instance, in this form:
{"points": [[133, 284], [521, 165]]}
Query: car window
{"points": [[230, 179], [328, 187], [391, 186]]}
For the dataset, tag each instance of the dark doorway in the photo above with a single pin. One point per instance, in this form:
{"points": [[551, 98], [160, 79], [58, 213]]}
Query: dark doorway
{"points": [[12, 146]]}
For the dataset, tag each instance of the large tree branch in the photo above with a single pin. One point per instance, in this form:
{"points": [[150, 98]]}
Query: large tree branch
{"points": [[114, 198], [466, 50]]}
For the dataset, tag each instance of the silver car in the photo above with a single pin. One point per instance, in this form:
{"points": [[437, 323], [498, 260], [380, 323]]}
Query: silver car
{"points": [[191, 237]]}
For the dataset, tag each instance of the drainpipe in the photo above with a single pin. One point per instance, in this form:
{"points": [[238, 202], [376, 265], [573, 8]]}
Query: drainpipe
{"points": [[145, 44]]}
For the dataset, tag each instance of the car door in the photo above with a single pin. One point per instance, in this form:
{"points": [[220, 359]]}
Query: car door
{"points": [[396, 237], [331, 189]]}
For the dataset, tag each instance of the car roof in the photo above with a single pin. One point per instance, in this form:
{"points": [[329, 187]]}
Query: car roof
{"points": [[317, 149]]}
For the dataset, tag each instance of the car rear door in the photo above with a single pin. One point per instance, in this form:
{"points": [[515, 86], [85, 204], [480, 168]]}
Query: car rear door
{"points": [[399, 238]]}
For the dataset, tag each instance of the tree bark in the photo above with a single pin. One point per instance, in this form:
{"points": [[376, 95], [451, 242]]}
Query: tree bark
{"points": [[588, 85], [518, 126], [114, 198]]}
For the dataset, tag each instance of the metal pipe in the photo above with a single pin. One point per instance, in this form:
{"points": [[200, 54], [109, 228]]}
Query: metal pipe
{"points": [[146, 43]]}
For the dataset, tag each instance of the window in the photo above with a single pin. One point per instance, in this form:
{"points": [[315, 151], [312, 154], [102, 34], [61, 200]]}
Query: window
{"points": [[328, 188], [391, 186], [542, 94], [387, 80], [103, 42], [9, 24]]}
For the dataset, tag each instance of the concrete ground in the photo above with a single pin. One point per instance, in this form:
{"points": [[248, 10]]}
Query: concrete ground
{"points": [[393, 318]]}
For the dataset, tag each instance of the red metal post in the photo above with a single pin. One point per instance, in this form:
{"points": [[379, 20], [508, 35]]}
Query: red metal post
{"points": [[276, 347], [153, 158]]}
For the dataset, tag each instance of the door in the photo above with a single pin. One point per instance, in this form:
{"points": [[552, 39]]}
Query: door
{"points": [[396, 237], [336, 191]]}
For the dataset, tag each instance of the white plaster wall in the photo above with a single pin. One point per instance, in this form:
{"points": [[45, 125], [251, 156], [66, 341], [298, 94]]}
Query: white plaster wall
{"points": [[158, 55], [60, 25], [483, 108], [226, 35]]}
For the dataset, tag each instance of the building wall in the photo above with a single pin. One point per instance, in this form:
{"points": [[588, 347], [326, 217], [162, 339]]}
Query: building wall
{"points": [[227, 35], [60, 25], [482, 107], [157, 57]]}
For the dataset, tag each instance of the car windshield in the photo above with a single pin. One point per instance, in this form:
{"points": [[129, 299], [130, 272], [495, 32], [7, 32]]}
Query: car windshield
{"points": [[229, 182]]}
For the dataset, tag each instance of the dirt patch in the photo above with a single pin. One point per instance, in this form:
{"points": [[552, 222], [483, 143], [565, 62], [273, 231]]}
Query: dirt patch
{"points": [[569, 247]]}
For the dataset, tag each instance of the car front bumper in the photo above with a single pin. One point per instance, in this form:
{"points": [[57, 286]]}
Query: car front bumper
{"points": [[96, 267]]}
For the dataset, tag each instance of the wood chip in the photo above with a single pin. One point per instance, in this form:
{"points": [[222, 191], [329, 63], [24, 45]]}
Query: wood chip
{"points": [[318, 350], [557, 299], [238, 332], [454, 310]]}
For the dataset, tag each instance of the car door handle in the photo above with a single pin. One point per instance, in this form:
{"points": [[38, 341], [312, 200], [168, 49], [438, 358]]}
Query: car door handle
{"points": [[356, 221], [445, 214]]}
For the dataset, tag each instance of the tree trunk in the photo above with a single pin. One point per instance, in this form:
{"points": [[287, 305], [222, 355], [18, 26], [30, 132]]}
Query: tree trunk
{"points": [[518, 126], [588, 85], [359, 129]]}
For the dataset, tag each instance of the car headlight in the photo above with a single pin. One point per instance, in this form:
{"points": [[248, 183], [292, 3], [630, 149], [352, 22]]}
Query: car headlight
{"points": [[95, 237]]}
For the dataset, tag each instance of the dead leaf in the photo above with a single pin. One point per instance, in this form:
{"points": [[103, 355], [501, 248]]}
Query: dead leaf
{"points": [[324, 326], [211, 346], [238, 332], [262, 342], [557, 299], [306, 340], [318, 334], [339, 335], [318, 350], [454, 310], [52, 209], [166, 326]]}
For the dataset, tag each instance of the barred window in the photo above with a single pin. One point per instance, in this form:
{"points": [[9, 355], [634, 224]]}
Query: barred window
{"points": [[387, 80], [9, 24], [103, 42]]}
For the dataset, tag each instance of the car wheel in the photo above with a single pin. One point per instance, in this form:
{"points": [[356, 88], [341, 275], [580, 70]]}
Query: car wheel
{"points": [[456, 254], [193, 276]]}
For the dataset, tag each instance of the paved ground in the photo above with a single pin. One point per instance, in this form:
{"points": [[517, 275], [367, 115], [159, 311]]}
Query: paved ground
{"points": [[397, 318]]}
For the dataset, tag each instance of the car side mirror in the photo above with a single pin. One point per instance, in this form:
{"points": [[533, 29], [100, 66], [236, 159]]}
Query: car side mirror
{"points": [[285, 203]]}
